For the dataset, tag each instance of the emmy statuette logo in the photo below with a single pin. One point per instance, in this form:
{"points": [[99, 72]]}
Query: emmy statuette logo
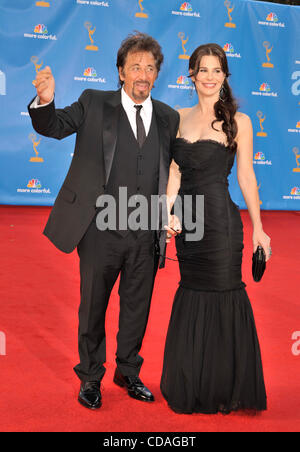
{"points": [[266, 45], [35, 143], [261, 120], [34, 60], [229, 24], [297, 155], [184, 56], [141, 14], [91, 47], [43, 4]]}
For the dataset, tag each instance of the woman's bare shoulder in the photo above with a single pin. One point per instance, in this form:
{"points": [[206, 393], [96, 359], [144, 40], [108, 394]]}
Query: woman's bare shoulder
{"points": [[184, 115], [184, 111], [242, 119], [244, 129]]}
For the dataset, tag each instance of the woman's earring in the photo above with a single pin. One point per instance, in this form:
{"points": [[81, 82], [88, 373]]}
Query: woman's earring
{"points": [[222, 94], [191, 93]]}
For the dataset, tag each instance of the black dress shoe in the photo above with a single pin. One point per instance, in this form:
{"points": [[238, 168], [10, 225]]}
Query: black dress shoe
{"points": [[134, 386], [90, 395]]}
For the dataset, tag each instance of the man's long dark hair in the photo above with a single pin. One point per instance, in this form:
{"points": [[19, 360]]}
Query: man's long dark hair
{"points": [[226, 108], [139, 42]]}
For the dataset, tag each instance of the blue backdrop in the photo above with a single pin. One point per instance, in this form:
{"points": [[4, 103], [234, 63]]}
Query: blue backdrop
{"points": [[79, 40]]}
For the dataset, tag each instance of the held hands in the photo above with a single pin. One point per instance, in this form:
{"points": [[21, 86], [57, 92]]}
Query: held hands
{"points": [[173, 228], [45, 85], [260, 238]]}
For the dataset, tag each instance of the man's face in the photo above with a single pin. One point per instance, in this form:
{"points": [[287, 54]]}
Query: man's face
{"points": [[138, 74]]}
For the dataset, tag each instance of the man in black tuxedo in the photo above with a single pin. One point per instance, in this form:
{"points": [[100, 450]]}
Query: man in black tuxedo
{"points": [[123, 139]]}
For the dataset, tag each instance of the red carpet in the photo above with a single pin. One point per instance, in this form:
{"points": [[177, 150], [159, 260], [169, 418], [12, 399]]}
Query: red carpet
{"points": [[39, 293]]}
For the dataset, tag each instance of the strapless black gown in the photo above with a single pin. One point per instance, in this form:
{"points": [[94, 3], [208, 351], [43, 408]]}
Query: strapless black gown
{"points": [[212, 359]]}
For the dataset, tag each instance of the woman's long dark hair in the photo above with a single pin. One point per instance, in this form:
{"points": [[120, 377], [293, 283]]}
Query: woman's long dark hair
{"points": [[226, 107]]}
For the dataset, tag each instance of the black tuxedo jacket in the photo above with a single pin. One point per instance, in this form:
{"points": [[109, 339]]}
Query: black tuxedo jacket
{"points": [[94, 119]]}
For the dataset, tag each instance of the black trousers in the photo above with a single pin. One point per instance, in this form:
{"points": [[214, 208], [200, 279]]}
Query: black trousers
{"points": [[104, 255]]}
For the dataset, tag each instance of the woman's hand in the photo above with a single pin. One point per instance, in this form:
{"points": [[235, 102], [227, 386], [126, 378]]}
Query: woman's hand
{"points": [[260, 238], [173, 228]]}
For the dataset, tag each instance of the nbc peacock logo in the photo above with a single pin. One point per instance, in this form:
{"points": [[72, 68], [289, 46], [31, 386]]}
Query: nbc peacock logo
{"points": [[186, 7], [183, 80], [272, 17], [296, 129], [90, 72], [265, 87], [34, 186], [272, 21], [260, 159], [294, 194], [264, 90], [41, 29], [90, 75], [259, 156], [229, 50], [295, 191], [34, 183]]}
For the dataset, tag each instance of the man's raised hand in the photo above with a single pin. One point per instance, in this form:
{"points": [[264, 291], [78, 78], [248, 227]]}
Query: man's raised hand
{"points": [[45, 85]]}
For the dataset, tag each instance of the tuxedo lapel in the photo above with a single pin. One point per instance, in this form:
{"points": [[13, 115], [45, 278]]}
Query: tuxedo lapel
{"points": [[111, 114], [164, 166], [164, 148]]}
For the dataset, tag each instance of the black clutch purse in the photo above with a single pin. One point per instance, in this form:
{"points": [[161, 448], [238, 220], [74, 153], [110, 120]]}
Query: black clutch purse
{"points": [[258, 264]]}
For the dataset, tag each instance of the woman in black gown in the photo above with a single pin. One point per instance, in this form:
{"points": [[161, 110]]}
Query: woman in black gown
{"points": [[212, 360]]}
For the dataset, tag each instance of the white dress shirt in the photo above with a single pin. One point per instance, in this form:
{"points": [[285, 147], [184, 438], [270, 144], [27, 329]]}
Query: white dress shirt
{"points": [[128, 105], [146, 112]]}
